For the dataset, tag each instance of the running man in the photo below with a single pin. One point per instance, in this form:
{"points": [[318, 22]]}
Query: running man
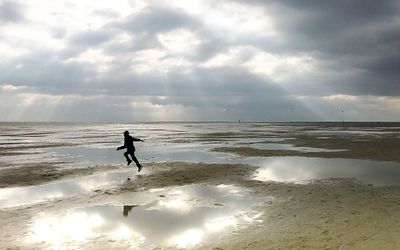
{"points": [[128, 144]]}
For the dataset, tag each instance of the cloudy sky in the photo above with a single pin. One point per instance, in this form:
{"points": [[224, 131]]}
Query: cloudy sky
{"points": [[202, 60]]}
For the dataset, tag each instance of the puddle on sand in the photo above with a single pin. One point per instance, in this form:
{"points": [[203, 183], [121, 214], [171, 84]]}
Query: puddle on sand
{"points": [[79, 156], [282, 146], [28, 195], [287, 169], [302, 170], [182, 217]]}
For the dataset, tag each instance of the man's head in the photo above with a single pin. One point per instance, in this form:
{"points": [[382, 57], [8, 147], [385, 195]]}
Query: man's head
{"points": [[126, 133]]}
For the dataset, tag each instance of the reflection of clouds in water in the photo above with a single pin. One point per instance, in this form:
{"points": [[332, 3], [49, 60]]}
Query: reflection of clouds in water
{"points": [[48, 228], [78, 227], [286, 170], [10, 197], [161, 222], [189, 238], [220, 223], [302, 170], [281, 146], [178, 203]]}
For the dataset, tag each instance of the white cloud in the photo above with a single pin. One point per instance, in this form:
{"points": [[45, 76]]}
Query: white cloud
{"points": [[10, 87], [276, 67], [95, 57], [230, 19], [280, 68], [340, 98], [11, 51], [145, 110], [179, 41], [155, 60]]}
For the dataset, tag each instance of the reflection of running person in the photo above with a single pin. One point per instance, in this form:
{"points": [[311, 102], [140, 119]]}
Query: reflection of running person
{"points": [[127, 209], [128, 144]]}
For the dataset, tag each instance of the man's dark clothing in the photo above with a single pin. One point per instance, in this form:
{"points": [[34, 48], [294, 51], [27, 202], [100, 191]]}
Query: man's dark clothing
{"points": [[128, 144]]}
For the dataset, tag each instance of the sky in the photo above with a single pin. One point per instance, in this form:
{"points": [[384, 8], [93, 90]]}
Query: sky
{"points": [[199, 60]]}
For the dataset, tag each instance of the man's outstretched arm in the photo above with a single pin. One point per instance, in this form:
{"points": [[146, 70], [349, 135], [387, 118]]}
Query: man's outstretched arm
{"points": [[137, 139]]}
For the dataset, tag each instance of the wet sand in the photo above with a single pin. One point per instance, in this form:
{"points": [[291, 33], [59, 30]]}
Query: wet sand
{"points": [[35, 174], [384, 149], [334, 213], [326, 214]]}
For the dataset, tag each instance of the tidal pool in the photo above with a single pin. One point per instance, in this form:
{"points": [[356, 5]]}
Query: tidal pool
{"points": [[284, 146], [28, 195], [183, 217], [303, 170], [79, 156], [287, 169]]}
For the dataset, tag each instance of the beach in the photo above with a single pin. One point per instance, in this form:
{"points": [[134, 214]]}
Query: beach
{"points": [[203, 186]]}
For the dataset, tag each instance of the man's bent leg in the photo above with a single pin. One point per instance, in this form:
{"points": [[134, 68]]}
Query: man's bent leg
{"points": [[136, 161], [127, 158]]}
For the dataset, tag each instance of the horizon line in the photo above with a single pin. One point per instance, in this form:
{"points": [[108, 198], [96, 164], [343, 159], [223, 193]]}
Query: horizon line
{"points": [[194, 121]]}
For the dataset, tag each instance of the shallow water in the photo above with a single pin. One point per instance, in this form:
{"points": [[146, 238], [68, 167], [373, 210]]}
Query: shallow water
{"points": [[29, 195], [303, 170], [83, 145], [299, 170], [286, 169], [146, 152], [181, 217], [283, 146], [195, 139]]}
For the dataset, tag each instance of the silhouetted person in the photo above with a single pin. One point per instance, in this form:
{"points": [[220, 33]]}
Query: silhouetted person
{"points": [[128, 144]]}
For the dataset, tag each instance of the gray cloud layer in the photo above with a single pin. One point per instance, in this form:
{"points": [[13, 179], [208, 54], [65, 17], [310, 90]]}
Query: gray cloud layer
{"points": [[355, 45], [359, 35], [10, 12]]}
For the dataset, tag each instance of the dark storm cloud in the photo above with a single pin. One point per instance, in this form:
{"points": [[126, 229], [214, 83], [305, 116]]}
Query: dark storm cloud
{"points": [[10, 12], [362, 35], [384, 67], [339, 27], [35, 73]]}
